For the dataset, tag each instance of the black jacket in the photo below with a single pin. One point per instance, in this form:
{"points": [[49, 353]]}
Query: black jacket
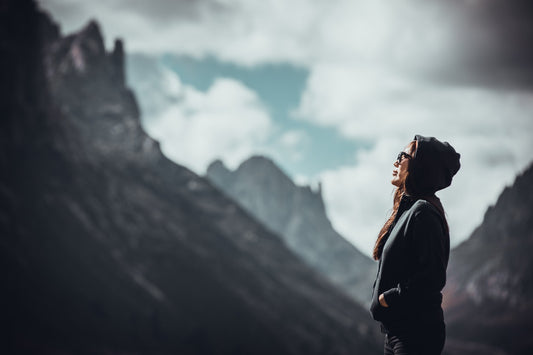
{"points": [[412, 268]]}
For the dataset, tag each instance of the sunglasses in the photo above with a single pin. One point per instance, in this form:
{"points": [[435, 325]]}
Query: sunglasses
{"points": [[401, 155]]}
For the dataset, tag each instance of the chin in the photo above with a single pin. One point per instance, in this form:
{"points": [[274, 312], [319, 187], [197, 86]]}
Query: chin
{"points": [[395, 182]]}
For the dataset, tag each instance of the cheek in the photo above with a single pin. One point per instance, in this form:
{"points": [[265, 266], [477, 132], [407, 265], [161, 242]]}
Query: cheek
{"points": [[402, 171]]}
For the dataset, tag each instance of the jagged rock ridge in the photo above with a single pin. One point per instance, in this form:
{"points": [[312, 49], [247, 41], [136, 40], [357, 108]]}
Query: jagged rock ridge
{"points": [[109, 247], [489, 293], [298, 215]]}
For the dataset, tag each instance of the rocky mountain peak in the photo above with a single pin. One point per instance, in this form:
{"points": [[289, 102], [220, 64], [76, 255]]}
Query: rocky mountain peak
{"points": [[117, 61], [263, 168], [218, 166], [511, 215], [298, 215], [276, 185], [490, 284], [260, 161], [218, 169], [90, 37], [89, 82], [83, 54]]}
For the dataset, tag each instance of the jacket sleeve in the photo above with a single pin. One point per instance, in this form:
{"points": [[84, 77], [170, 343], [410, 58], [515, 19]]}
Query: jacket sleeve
{"points": [[428, 243]]}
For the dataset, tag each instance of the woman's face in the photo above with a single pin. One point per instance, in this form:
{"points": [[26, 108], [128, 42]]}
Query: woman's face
{"points": [[400, 166]]}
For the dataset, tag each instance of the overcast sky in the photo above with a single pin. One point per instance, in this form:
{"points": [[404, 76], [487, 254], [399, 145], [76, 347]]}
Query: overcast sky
{"points": [[373, 74]]}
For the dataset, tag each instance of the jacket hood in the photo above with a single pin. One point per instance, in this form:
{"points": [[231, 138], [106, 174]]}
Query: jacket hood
{"points": [[433, 166]]}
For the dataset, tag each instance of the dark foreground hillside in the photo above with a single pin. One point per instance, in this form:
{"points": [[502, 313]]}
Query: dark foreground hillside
{"points": [[107, 247]]}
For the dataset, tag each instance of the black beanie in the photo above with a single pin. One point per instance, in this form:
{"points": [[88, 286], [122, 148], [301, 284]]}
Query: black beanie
{"points": [[432, 167]]}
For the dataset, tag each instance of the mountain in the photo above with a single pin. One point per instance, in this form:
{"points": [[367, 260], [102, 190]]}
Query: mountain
{"points": [[108, 247], [488, 298], [298, 215]]}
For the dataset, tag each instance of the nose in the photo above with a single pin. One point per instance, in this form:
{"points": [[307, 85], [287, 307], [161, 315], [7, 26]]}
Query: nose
{"points": [[396, 164]]}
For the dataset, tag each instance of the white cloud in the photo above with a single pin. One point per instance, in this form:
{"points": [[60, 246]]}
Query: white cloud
{"points": [[251, 32], [292, 138], [291, 145], [366, 60], [491, 130], [302, 180], [228, 121], [358, 197]]}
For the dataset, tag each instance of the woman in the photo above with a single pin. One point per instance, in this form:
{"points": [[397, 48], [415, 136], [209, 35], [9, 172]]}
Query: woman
{"points": [[413, 249]]}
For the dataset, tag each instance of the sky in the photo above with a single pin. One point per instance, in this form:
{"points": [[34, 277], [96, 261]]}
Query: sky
{"points": [[332, 90]]}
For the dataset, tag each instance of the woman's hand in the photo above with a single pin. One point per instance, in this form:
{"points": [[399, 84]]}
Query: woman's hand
{"points": [[382, 301]]}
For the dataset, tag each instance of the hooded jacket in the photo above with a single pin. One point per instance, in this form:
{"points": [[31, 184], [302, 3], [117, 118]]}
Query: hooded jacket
{"points": [[412, 267]]}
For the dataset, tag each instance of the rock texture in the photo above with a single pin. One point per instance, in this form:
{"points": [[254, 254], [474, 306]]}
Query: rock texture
{"points": [[299, 216], [489, 294], [107, 247]]}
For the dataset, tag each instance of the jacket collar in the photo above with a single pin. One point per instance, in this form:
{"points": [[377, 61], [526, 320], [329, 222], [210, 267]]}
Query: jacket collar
{"points": [[406, 203]]}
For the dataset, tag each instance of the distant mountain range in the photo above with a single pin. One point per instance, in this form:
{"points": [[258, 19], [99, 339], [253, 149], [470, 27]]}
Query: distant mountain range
{"points": [[298, 215], [108, 247]]}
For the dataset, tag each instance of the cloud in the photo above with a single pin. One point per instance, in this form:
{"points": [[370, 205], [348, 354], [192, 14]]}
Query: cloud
{"points": [[255, 32], [380, 72], [228, 121], [493, 43], [292, 138], [357, 99], [291, 144], [239, 31], [359, 197], [490, 128], [455, 41]]}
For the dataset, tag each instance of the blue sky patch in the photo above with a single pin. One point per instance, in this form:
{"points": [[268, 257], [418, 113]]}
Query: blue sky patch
{"points": [[279, 87]]}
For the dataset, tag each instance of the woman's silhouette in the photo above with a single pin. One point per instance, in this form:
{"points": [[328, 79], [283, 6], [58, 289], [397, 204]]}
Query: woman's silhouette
{"points": [[413, 249]]}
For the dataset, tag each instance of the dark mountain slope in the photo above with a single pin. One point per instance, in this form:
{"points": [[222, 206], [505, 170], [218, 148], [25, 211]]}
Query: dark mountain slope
{"points": [[108, 247], [490, 288]]}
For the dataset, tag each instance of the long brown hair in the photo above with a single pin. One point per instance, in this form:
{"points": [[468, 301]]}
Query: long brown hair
{"points": [[384, 232], [400, 191]]}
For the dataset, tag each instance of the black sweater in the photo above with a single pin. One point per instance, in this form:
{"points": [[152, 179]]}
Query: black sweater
{"points": [[412, 268]]}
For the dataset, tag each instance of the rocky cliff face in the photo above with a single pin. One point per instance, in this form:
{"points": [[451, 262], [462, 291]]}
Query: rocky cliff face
{"points": [[108, 247], [489, 294], [298, 215]]}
